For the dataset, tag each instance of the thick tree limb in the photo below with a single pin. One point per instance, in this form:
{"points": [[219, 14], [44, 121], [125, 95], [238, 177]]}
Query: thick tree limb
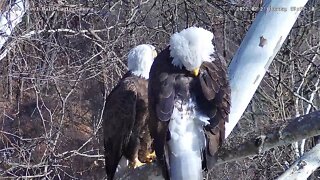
{"points": [[303, 167], [257, 50], [296, 129]]}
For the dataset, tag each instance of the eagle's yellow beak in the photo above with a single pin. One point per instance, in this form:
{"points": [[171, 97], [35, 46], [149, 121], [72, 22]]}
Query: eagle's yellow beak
{"points": [[154, 53], [195, 72]]}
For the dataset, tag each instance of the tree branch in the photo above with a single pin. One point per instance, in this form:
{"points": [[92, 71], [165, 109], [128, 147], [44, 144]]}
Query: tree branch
{"points": [[309, 126], [305, 166], [256, 52]]}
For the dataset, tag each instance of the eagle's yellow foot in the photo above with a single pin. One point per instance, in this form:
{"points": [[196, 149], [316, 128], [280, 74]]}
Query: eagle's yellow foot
{"points": [[151, 157], [136, 163]]}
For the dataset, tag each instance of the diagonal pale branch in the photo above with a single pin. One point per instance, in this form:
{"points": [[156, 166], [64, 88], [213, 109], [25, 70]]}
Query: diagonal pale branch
{"points": [[303, 167], [257, 50]]}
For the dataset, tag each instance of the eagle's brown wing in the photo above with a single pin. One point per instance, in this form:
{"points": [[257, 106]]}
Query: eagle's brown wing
{"points": [[160, 105], [216, 104], [118, 120]]}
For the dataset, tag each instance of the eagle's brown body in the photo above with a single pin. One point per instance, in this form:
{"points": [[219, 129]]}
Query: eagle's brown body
{"points": [[210, 90], [124, 122]]}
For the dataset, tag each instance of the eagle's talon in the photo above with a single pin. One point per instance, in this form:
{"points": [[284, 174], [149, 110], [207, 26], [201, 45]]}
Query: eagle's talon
{"points": [[136, 163], [151, 157]]}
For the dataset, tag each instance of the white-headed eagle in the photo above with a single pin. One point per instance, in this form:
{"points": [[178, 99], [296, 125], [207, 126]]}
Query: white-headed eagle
{"points": [[125, 128], [189, 103]]}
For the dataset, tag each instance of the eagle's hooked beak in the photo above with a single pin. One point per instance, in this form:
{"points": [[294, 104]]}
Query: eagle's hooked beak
{"points": [[154, 53], [195, 72]]}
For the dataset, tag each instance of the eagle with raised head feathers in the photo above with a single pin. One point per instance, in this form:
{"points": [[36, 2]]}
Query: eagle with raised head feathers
{"points": [[189, 103], [125, 117]]}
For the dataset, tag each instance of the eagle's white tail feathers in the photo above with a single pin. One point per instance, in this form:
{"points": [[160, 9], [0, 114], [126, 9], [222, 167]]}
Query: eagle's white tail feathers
{"points": [[190, 47], [186, 142], [186, 166]]}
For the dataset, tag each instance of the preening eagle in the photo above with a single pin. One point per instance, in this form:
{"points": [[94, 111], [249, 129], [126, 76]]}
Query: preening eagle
{"points": [[125, 117], [189, 103]]}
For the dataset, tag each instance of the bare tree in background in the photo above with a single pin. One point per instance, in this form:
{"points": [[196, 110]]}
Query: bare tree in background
{"points": [[65, 56]]}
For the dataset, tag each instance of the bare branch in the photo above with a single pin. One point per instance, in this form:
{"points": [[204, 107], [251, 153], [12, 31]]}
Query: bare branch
{"points": [[304, 166], [309, 126]]}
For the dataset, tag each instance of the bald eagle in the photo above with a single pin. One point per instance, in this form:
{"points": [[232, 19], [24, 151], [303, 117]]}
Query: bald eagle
{"points": [[189, 103], [125, 128]]}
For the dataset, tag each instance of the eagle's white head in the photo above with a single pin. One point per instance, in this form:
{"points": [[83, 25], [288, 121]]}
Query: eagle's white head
{"points": [[140, 59], [191, 47]]}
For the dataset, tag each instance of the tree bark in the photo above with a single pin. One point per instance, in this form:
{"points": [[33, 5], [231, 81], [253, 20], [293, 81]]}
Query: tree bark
{"points": [[303, 167], [257, 50], [299, 128]]}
